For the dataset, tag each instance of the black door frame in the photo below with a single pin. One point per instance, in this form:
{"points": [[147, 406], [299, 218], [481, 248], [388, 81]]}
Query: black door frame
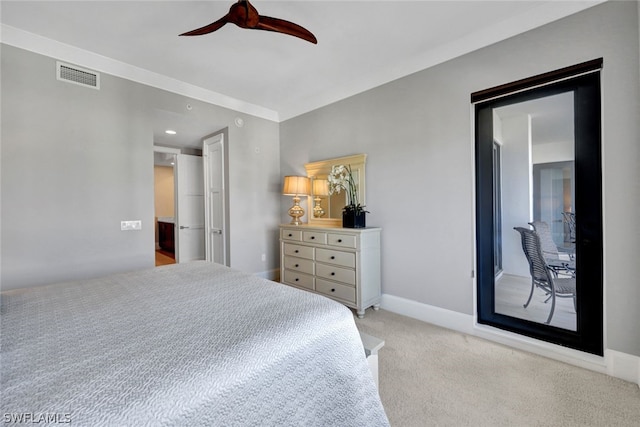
{"points": [[584, 81]]}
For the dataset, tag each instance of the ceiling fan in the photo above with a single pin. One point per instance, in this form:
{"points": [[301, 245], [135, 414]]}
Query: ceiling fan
{"points": [[244, 15]]}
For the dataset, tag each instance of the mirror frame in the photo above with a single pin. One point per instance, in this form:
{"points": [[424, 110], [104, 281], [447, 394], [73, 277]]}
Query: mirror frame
{"points": [[586, 88], [322, 168]]}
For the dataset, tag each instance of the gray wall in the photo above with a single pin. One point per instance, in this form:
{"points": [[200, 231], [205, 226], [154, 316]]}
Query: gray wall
{"points": [[77, 161], [516, 202], [417, 133]]}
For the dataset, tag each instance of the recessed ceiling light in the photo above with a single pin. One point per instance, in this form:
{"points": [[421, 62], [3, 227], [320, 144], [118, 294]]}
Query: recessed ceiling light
{"points": [[170, 132]]}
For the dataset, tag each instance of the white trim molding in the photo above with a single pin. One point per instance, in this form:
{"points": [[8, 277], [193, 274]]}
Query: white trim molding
{"points": [[44, 46], [622, 365], [428, 313], [273, 275], [614, 363]]}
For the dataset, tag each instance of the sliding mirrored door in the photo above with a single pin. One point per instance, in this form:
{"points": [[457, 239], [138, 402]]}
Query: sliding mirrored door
{"points": [[538, 211]]}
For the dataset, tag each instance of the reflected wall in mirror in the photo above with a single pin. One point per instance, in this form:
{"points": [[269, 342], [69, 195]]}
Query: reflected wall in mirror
{"points": [[534, 185], [327, 209]]}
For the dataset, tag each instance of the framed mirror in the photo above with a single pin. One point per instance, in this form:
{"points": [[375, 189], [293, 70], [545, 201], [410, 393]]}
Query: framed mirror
{"points": [[539, 208], [326, 209]]}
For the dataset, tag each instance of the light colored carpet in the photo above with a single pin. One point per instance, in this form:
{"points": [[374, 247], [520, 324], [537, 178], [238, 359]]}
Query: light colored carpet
{"points": [[431, 376]]}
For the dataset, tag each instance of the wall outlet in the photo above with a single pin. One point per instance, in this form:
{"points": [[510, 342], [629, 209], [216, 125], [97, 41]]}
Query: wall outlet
{"points": [[130, 225]]}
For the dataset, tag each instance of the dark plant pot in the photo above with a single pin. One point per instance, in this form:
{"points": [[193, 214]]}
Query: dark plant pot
{"points": [[353, 219]]}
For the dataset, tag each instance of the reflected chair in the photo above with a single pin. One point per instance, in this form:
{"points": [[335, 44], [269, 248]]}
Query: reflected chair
{"points": [[569, 218], [541, 274], [550, 251]]}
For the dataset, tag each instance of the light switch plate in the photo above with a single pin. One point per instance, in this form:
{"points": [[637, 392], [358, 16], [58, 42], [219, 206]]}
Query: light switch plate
{"points": [[130, 225]]}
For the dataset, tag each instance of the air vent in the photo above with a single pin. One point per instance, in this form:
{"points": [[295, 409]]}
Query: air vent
{"points": [[72, 74]]}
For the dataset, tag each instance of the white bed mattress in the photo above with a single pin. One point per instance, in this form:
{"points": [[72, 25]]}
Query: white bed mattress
{"points": [[188, 344]]}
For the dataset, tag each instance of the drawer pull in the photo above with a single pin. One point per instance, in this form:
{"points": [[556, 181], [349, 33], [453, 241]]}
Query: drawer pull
{"points": [[333, 273], [290, 235], [297, 279], [339, 240], [297, 265], [296, 251], [333, 257], [333, 289], [313, 237]]}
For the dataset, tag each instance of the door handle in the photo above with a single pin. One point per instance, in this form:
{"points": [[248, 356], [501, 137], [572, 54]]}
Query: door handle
{"points": [[216, 231], [182, 227]]}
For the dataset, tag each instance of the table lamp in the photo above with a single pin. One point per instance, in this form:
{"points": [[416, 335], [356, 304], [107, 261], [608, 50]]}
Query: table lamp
{"points": [[296, 186], [320, 188]]}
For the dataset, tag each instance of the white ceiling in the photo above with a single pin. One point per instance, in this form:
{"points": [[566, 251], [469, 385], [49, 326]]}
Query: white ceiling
{"points": [[361, 44], [552, 118]]}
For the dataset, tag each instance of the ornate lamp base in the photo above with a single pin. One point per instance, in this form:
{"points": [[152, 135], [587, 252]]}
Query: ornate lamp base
{"points": [[296, 211], [318, 212]]}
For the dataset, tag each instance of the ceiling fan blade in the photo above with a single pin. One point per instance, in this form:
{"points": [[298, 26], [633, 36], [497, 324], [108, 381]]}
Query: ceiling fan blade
{"points": [[244, 15], [281, 26], [208, 28]]}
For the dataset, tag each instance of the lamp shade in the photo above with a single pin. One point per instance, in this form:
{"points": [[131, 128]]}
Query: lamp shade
{"points": [[295, 185], [320, 187]]}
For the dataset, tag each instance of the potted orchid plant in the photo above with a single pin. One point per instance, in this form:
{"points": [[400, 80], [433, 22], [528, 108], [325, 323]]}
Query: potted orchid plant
{"points": [[341, 178]]}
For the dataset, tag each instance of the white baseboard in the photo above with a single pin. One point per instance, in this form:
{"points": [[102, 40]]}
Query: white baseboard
{"points": [[269, 274], [623, 365], [614, 363], [428, 313]]}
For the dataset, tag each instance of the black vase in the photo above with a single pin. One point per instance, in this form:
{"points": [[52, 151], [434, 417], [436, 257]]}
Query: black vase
{"points": [[354, 219]]}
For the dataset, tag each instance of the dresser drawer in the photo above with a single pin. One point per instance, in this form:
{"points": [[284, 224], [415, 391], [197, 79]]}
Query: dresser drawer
{"points": [[345, 259], [289, 234], [339, 274], [298, 250], [298, 279], [342, 240], [299, 264], [336, 290], [314, 237]]}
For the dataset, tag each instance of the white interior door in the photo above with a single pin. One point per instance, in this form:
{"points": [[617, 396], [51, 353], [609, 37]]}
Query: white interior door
{"points": [[190, 208], [215, 199]]}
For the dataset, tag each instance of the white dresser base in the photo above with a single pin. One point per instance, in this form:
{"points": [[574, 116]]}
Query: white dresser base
{"points": [[340, 263]]}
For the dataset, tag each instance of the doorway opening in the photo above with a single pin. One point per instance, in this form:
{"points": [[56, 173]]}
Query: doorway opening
{"points": [[179, 206], [164, 204], [539, 207]]}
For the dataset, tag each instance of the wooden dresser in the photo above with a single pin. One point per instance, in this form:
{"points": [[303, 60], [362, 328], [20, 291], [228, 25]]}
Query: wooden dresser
{"points": [[340, 263]]}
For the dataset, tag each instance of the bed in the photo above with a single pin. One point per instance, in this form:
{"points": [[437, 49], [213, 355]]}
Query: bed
{"points": [[186, 344]]}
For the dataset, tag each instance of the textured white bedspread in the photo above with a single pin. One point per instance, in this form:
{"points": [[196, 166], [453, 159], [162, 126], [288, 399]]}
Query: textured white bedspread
{"points": [[183, 345]]}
